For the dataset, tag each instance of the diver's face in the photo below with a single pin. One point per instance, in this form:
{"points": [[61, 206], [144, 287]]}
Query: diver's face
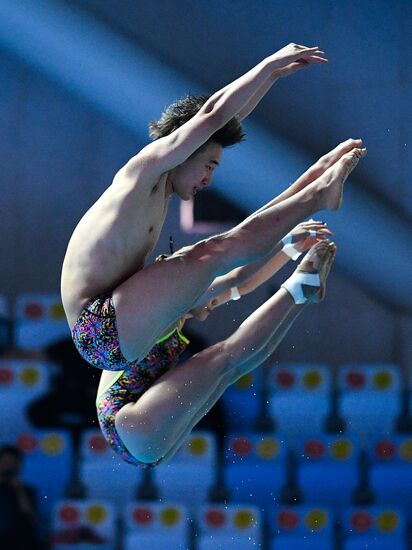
{"points": [[196, 173]]}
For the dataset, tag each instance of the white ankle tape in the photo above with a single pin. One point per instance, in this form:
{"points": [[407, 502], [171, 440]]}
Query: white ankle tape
{"points": [[294, 285], [234, 293], [291, 251]]}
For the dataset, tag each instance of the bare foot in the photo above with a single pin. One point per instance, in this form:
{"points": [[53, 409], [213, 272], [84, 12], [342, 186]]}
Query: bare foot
{"points": [[328, 160], [319, 260], [330, 184]]}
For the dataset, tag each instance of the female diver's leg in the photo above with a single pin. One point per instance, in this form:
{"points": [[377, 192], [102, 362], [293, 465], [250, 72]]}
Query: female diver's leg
{"points": [[234, 375], [150, 427]]}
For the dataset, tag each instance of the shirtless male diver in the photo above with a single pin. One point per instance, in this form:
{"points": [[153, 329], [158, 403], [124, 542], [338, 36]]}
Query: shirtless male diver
{"points": [[117, 307]]}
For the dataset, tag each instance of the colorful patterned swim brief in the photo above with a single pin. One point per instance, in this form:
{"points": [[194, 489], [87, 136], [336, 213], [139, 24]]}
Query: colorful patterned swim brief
{"points": [[95, 335], [129, 385]]}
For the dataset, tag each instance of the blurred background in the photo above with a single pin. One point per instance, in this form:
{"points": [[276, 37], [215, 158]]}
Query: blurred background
{"points": [[80, 81]]}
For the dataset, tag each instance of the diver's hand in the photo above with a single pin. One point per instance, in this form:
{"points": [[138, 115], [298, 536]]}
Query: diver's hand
{"points": [[294, 57]]}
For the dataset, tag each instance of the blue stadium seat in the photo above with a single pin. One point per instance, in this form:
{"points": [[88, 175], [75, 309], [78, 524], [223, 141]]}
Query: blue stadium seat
{"points": [[242, 402], [328, 470], [301, 528], [228, 527], [300, 398], [21, 382], [390, 471], [104, 474], [190, 475], [255, 469], [81, 524], [377, 528], [156, 526], [48, 464], [39, 321], [370, 398]]}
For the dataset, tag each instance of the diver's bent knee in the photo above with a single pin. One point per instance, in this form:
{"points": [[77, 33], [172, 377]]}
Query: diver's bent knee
{"points": [[137, 440], [149, 456]]}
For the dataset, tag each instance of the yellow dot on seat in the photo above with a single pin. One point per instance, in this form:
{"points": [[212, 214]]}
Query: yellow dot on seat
{"points": [[243, 519], [405, 450], [57, 311], [341, 449], [387, 521], [52, 444], [198, 446], [267, 448], [312, 379], [245, 382], [316, 519], [170, 516], [30, 376], [96, 514], [382, 380]]}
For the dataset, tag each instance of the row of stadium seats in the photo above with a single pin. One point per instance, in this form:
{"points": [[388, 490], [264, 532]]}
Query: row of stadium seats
{"points": [[361, 399], [295, 398], [34, 322], [169, 525], [257, 470]]}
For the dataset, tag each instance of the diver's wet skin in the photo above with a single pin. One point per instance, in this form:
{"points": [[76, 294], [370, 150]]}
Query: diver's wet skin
{"points": [[331, 183]]}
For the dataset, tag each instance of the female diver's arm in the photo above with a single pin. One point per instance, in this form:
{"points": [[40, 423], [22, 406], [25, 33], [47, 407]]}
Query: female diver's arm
{"points": [[245, 279]]}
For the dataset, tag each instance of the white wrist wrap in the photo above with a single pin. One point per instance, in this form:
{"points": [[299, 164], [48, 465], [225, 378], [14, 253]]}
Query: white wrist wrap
{"points": [[294, 285], [287, 239], [291, 251], [234, 293]]}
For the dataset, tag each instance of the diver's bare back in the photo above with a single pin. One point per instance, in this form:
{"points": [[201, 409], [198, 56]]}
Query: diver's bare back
{"points": [[113, 239]]}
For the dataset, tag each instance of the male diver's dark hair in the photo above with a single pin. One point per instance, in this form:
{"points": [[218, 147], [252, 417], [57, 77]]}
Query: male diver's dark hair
{"points": [[182, 110]]}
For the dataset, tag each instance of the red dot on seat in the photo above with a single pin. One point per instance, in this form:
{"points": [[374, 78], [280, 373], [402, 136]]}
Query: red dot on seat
{"points": [[215, 518], [27, 443], [69, 514], [361, 521], [6, 377], [143, 516], [355, 380], [33, 310], [285, 379], [98, 443], [314, 449], [288, 519], [385, 449], [241, 446]]}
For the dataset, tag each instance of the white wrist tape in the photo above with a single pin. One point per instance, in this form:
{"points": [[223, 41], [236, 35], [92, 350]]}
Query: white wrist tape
{"points": [[291, 251], [294, 285], [287, 239], [234, 293]]}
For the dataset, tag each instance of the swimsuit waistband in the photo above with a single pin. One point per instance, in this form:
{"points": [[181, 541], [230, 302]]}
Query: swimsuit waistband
{"points": [[162, 339]]}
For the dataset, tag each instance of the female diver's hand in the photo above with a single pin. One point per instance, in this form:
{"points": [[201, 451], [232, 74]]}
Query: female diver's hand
{"points": [[306, 234]]}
